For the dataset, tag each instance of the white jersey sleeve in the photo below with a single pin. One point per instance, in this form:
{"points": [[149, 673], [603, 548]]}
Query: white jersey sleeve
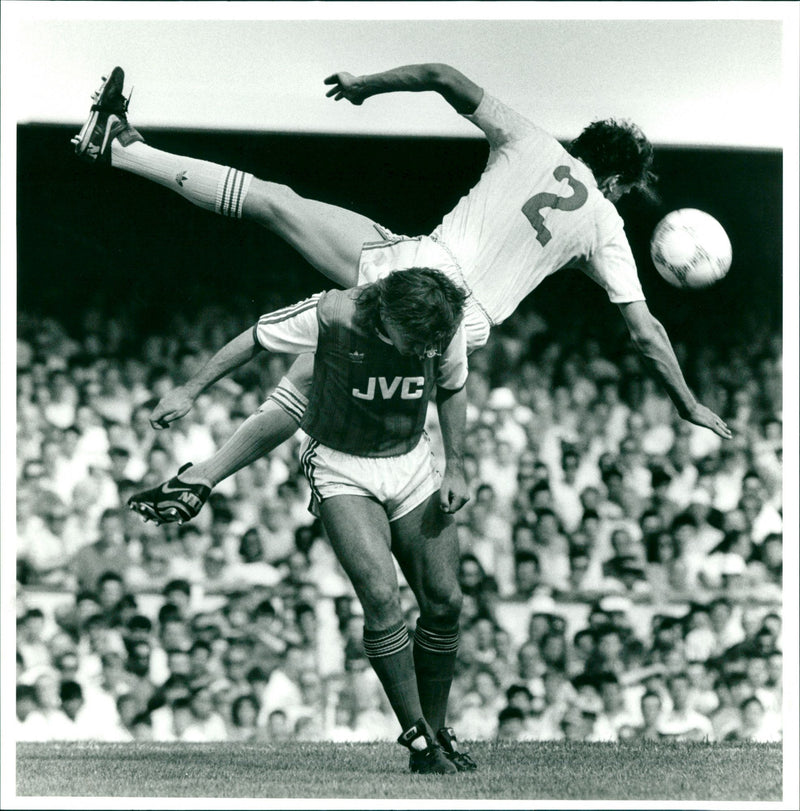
{"points": [[613, 267], [499, 123], [453, 366], [294, 329]]}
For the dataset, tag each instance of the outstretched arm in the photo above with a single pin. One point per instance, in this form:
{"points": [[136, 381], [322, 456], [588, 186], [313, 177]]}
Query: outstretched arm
{"points": [[652, 341], [459, 91], [178, 402], [452, 409]]}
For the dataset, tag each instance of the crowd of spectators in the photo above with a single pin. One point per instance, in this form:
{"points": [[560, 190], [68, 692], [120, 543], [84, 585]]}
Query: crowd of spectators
{"points": [[621, 569]]}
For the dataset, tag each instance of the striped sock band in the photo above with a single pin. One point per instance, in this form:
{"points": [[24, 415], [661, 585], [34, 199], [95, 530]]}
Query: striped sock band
{"points": [[231, 191], [378, 644], [443, 642], [293, 402]]}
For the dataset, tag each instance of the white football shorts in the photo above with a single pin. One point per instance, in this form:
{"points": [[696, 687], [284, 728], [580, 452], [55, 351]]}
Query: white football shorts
{"points": [[378, 259], [399, 483]]}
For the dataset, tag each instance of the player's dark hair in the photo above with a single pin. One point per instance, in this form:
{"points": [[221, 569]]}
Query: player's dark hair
{"points": [[612, 147], [421, 301]]}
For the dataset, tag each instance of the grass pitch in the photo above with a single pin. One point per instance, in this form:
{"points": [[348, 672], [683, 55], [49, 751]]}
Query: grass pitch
{"points": [[507, 771]]}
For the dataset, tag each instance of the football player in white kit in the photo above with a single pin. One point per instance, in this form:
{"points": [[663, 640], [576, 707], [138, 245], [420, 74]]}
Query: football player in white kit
{"points": [[537, 208]]}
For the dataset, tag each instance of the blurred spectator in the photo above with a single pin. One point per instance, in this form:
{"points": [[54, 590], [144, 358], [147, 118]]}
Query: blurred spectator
{"points": [[726, 719], [82, 720], [244, 715], [616, 714], [252, 567], [756, 725], [31, 643], [477, 716], [510, 724], [206, 725], [488, 537], [651, 712], [577, 724], [684, 723], [31, 724], [527, 576], [106, 554]]}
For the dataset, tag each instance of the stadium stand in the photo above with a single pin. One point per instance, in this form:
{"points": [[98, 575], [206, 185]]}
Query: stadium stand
{"points": [[621, 569]]}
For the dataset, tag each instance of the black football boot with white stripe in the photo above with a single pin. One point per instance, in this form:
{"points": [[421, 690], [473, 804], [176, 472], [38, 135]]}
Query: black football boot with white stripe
{"points": [[107, 120], [172, 501]]}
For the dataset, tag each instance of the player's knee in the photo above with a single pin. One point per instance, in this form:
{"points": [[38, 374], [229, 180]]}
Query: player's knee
{"points": [[270, 204], [443, 604], [381, 604]]}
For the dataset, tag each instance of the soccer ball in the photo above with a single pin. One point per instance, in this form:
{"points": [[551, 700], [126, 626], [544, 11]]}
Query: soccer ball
{"points": [[690, 249]]}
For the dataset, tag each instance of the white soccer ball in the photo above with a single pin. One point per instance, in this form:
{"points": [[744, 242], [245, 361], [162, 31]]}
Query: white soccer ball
{"points": [[690, 249]]}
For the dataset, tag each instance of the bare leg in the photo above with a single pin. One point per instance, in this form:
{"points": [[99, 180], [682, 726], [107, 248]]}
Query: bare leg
{"points": [[327, 236], [425, 543], [359, 532]]}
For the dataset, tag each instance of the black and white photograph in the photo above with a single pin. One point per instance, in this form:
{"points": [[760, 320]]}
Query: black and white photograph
{"points": [[394, 405]]}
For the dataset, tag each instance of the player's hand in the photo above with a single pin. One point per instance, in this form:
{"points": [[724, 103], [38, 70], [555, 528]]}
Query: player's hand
{"points": [[454, 493], [706, 418], [346, 86], [172, 406]]}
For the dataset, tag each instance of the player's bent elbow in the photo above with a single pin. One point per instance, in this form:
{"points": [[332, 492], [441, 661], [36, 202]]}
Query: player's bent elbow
{"points": [[459, 91], [440, 75]]}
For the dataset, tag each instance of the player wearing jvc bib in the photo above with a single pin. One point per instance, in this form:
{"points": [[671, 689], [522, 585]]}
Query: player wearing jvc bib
{"points": [[367, 400], [380, 351], [536, 209]]}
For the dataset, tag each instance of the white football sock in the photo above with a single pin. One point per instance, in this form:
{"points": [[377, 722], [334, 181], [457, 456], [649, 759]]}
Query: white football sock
{"points": [[209, 185]]}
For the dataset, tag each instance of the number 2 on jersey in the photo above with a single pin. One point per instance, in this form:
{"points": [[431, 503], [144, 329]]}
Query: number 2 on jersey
{"points": [[533, 208]]}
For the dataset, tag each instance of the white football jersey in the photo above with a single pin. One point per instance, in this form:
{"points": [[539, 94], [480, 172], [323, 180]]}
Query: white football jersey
{"points": [[535, 210]]}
